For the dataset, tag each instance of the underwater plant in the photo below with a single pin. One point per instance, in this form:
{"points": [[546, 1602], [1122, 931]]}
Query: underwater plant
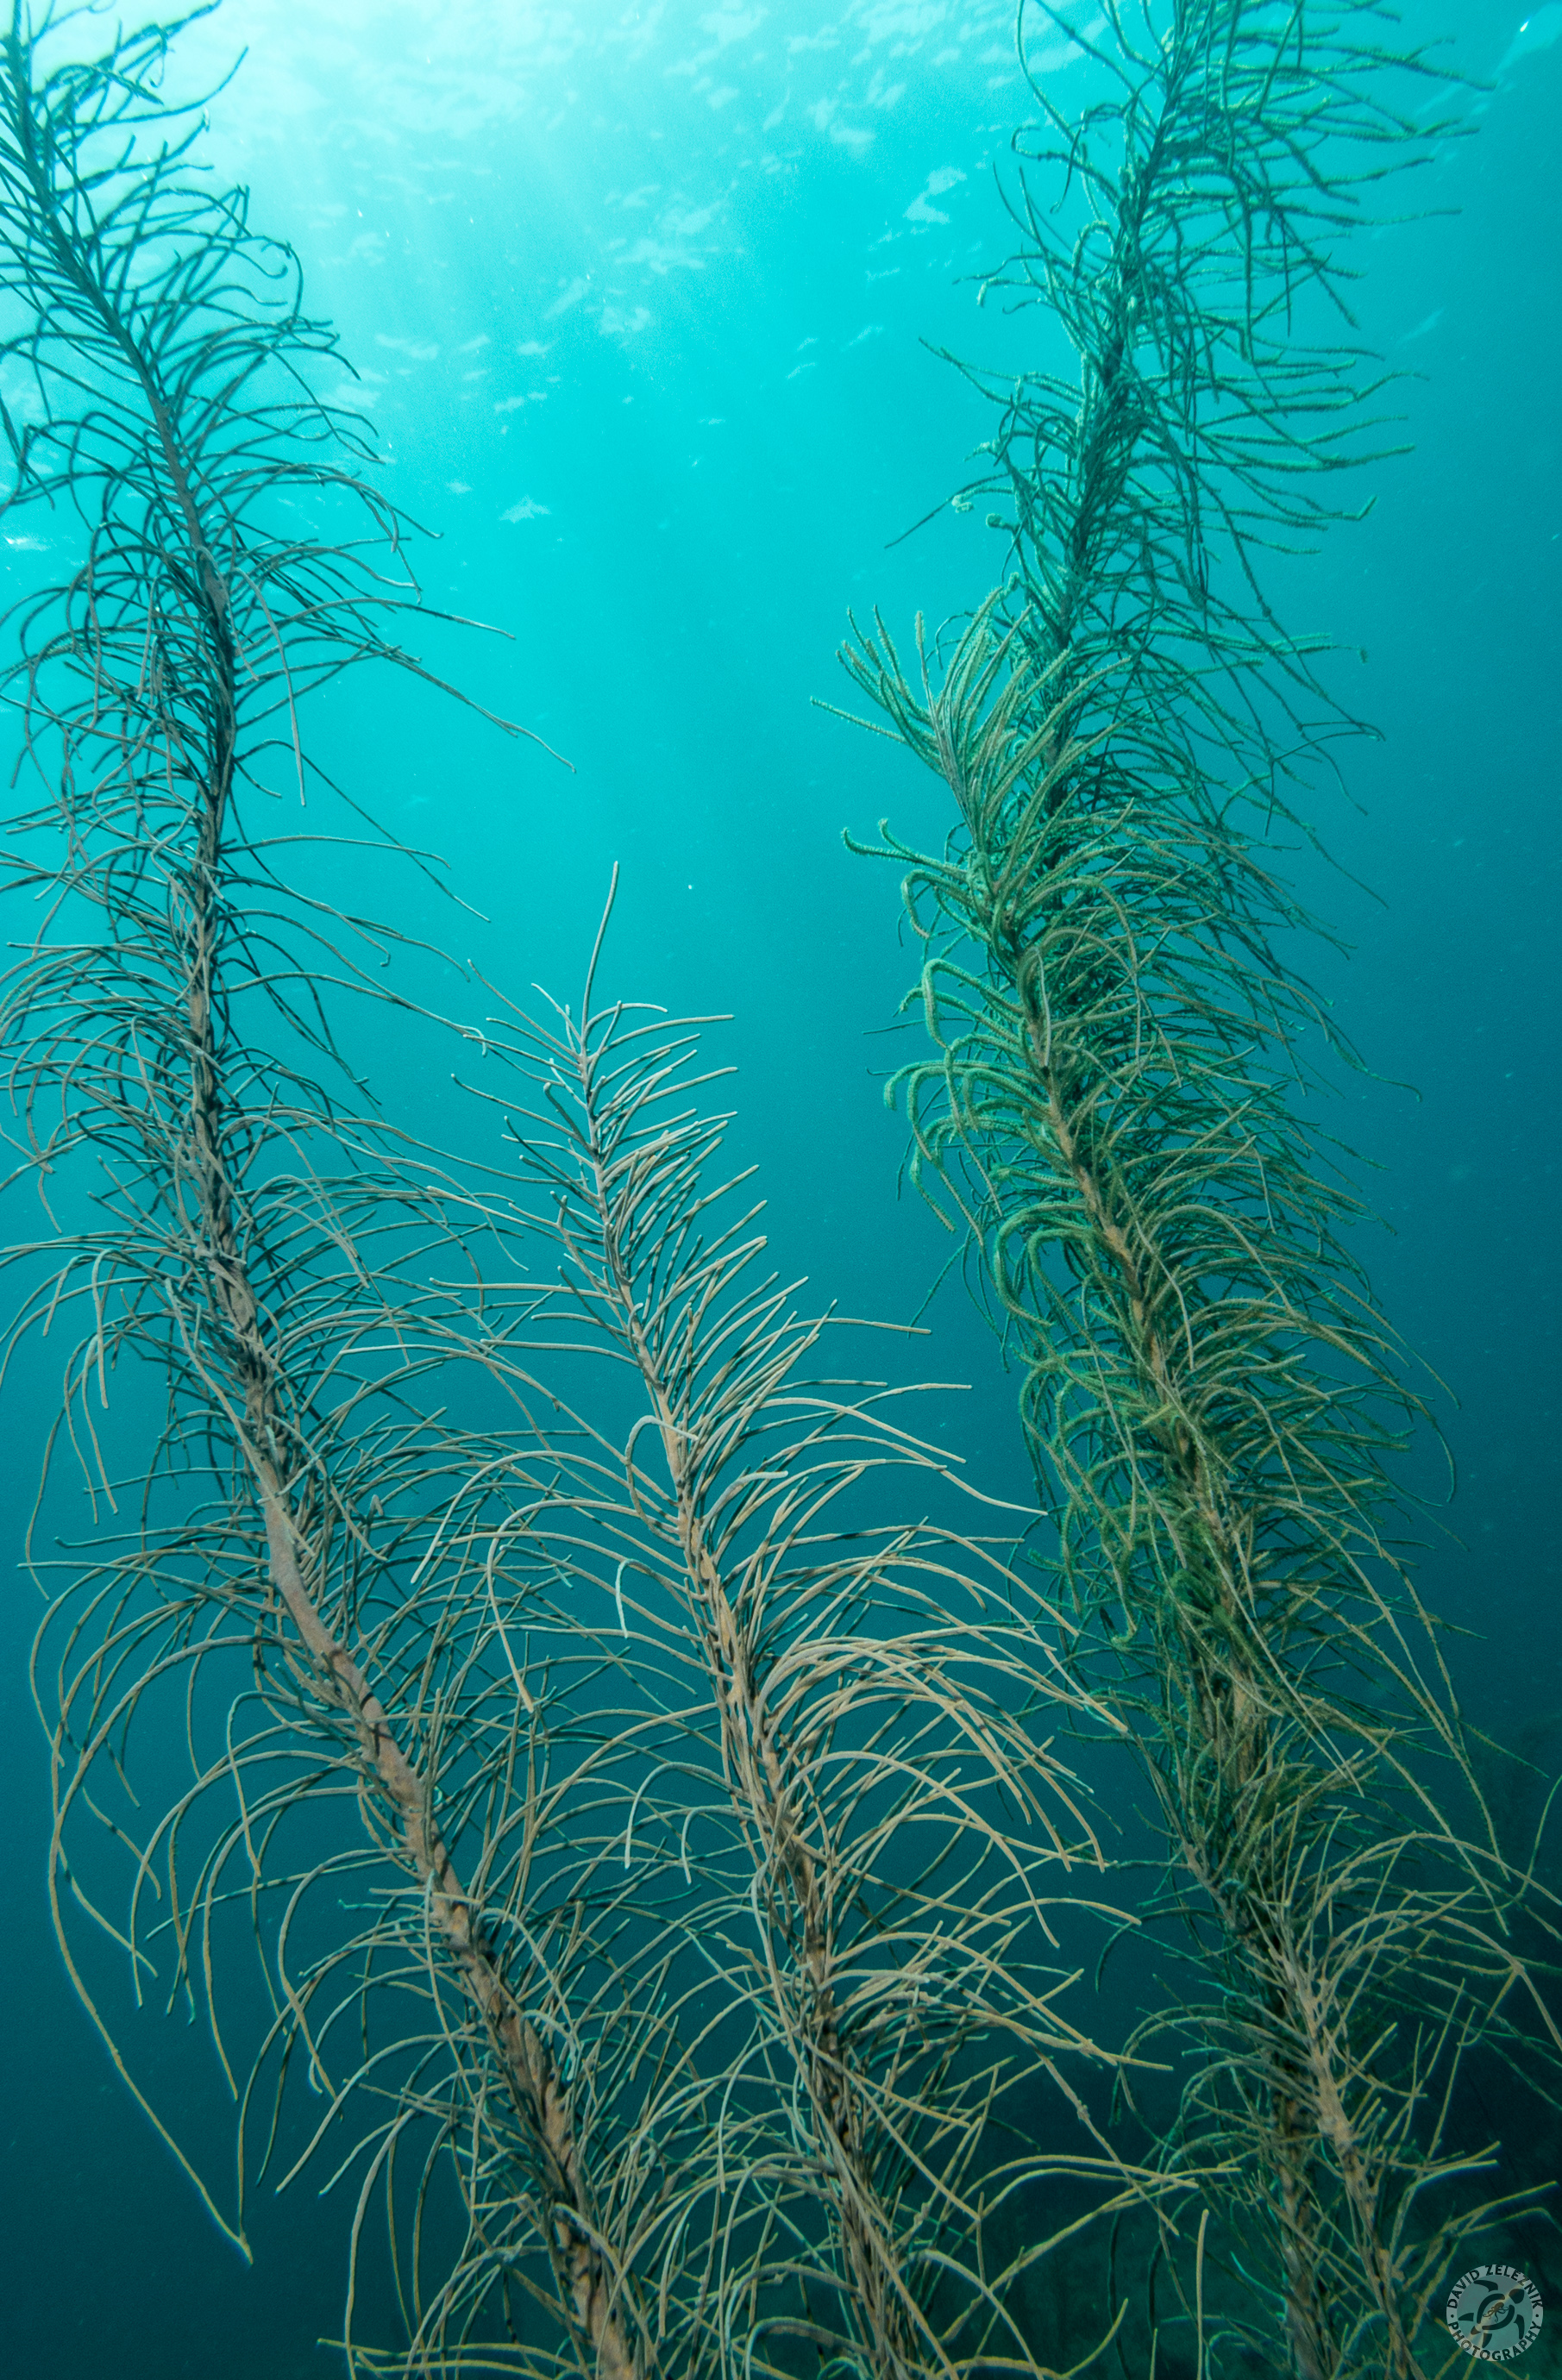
{"points": [[814, 1805], [657, 1865], [1117, 1108], [252, 1259]]}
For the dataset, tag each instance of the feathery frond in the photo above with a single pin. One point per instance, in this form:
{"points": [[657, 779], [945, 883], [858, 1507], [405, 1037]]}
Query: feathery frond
{"points": [[1112, 1112]]}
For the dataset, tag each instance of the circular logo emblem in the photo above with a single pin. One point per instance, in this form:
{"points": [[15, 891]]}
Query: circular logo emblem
{"points": [[1495, 2311]]}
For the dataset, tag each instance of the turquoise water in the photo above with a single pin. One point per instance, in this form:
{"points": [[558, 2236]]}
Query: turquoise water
{"points": [[642, 306]]}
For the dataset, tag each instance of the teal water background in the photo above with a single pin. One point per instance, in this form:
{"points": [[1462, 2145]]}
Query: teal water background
{"points": [[640, 303]]}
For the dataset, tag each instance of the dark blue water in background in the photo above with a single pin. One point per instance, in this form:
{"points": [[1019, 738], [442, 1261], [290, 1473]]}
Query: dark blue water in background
{"points": [[639, 302]]}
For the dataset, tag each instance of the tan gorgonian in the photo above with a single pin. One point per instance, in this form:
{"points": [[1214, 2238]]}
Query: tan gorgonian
{"points": [[656, 1863], [1115, 1111]]}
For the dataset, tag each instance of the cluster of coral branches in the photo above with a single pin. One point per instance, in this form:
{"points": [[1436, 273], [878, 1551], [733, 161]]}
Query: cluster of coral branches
{"points": [[647, 1825], [637, 1791]]}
